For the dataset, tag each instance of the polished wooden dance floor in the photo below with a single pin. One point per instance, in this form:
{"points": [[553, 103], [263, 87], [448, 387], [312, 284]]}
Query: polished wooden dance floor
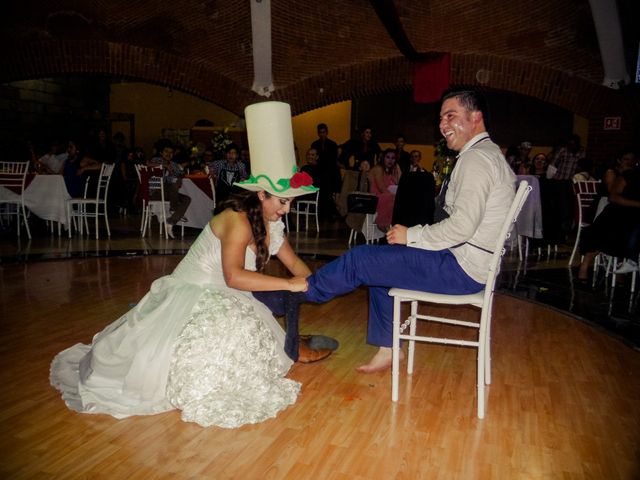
{"points": [[564, 402]]}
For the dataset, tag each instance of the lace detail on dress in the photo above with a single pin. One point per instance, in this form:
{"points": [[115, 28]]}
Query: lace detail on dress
{"points": [[225, 369], [276, 233]]}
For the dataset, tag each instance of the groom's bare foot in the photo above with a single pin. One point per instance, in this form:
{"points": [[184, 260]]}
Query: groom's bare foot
{"points": [[381, 361]]}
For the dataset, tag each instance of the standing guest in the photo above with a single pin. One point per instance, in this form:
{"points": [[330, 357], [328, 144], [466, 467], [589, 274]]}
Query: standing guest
{"points": [[363, 148], [564, 164], [199, 341], [101, 148], [415, 157], [329, 179], [173, 173], [228, 171], [403, 158], [451, 256], [383, 182]]}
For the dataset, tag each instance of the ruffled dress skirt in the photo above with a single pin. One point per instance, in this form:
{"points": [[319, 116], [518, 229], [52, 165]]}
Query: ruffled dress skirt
{"points": [[216, 354]]}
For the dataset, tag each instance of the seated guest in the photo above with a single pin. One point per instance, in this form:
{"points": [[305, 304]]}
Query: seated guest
{"points": [[77, 169], [415, 157], [53, 161], [228, 171], [612, 229], [173, 173], [383, 181], [583, 171], [538, 166]]}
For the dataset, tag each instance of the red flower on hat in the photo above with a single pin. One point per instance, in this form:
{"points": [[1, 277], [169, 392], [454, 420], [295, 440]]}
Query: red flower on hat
{"points": [[301, 179]]}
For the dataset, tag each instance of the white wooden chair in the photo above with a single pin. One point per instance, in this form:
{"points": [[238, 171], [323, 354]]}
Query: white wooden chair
{"points": [[306, 206], [86, 208], [586, 193], [155, 204], [13, 176], [482, 300], [76, 213]]}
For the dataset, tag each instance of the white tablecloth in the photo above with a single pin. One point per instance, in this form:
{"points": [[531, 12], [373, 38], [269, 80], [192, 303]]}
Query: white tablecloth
{"points": [[200, 209], [46, 196], [529, 223]]}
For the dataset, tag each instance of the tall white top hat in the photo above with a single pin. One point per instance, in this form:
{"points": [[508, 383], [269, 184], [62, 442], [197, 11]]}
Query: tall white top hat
{"points": [[273, 160]]}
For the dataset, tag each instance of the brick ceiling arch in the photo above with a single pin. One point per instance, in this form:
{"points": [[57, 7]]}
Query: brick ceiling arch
{"points": [[325, 52]]}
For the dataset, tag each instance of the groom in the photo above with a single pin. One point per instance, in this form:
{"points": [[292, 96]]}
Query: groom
{"points": [[451, 256]]}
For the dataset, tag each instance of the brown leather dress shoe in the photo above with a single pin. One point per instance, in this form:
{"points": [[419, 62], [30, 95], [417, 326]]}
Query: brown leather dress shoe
{"points": [[309, 355]]}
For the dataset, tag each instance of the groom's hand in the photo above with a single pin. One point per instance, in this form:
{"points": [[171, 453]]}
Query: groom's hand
{"points": [[397, 234]]}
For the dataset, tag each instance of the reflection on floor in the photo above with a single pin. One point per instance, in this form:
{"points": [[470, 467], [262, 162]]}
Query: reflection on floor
{"points": [[545, 278]]}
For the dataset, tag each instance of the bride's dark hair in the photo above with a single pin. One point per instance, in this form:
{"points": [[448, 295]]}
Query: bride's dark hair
{"points": [[249, 203]]}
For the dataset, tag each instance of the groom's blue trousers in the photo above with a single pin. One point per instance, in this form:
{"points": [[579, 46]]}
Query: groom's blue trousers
{"points": [[384, 267]]}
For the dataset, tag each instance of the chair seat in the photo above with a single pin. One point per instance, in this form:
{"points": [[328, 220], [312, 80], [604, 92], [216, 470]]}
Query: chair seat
{"points": [[475, 299]]}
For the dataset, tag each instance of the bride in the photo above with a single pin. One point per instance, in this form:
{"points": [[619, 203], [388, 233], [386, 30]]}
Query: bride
{"points": [[199, 341]]}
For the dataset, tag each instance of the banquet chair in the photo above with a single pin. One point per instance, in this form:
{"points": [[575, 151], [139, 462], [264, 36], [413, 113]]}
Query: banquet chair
{"points": [[586, 193], [306, 206], [482, 300], [361, 217], [77, 213], [154, 179], [93, 207], [13, 176], [609, 263]]}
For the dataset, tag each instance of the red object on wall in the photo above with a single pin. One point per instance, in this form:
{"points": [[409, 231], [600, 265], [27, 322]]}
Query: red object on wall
{"points": [[431, 79]]}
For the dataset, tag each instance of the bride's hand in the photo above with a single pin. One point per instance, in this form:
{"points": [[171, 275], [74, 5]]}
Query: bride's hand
{"points": [[298, 284]]}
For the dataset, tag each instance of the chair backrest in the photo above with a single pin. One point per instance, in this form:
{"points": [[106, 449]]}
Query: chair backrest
{"points": [[586, 187], [586, 194], [103, 181], [13, 175], [155, 183], [494, 266]]}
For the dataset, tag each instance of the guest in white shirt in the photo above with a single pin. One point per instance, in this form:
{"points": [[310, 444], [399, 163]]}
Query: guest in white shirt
{"points": [[53, 162]]}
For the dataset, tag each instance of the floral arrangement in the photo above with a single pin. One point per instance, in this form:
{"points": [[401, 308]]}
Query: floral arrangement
{"points": [[220, 141]]}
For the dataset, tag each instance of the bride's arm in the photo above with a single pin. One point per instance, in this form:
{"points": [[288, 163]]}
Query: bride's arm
{"points": [[235, 236], [291, 261]]}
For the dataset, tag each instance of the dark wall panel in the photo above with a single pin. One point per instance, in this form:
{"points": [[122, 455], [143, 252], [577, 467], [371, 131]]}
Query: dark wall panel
{"points": [[513, 119]]}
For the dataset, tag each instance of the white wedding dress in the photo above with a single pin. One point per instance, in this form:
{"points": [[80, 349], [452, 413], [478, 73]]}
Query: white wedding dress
{"points": [[191, 343]]}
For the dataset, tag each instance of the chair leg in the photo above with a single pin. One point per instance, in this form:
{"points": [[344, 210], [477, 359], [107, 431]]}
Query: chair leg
{"points": [[26, 223], [395, 351], [575, 246], [106, 220], [97, 218], [145, 222], [412, 343]]}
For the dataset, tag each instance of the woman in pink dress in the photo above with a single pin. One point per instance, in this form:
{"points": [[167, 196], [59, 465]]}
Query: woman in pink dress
{"points": [[383, 182]]}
